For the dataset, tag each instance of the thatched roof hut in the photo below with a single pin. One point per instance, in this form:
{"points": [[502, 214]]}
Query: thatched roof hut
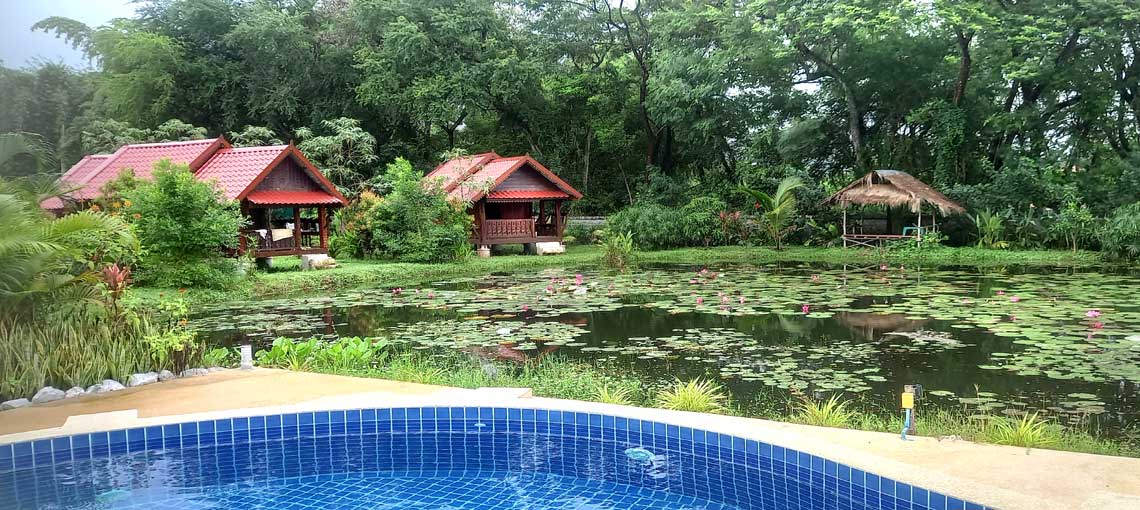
{"points": [[893, 188]]}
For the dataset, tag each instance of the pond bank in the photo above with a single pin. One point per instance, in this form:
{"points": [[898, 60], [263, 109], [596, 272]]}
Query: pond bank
{"points": [[1003, 477], [355, 273]]}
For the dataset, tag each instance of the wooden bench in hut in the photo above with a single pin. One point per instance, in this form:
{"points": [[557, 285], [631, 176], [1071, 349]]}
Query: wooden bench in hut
{"points": [[513, 200], [285, 198], [890, 189]]}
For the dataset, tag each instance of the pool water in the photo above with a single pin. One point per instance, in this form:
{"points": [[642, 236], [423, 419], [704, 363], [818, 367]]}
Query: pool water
{"points": [[437, 458]]}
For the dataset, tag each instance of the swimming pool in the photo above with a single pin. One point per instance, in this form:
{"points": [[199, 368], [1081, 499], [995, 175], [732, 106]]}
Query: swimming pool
{"points": [[477, 458]]}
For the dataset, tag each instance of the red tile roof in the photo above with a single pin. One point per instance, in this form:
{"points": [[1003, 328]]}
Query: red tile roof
{"points": [[469, 177], [141, 158], [234, 169], [291, 198], [522, 194], [73, 176], [452, 172]]}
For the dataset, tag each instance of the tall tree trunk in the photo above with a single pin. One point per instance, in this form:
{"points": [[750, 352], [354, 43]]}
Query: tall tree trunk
{"points": [[855, 126], [965, 66]]}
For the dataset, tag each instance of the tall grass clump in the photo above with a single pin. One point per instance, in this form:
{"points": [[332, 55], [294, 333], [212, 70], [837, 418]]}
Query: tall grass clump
{"points": [[1031, 431], [832, 412], [696, 395]]}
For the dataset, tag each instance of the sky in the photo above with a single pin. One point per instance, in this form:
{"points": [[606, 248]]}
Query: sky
{"points": [[20, 47]]}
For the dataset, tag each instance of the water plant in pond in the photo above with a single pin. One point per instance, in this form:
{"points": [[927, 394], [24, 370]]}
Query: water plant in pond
{"points": [[696, 395], [832, 412]]}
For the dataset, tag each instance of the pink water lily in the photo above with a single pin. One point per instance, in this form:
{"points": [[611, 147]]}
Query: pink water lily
{"points": [[742, 300], [700, 300], [883, 267], [1098, 325], [1012, 318], [805, 309], [1001, 292], [1092, 314], [578, 279], [815, 277], [397, 291], [525, 308], [1014, 299], [431, 295]]}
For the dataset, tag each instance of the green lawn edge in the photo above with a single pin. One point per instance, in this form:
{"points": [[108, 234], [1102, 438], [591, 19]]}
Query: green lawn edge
{"points": [[355, 273]]}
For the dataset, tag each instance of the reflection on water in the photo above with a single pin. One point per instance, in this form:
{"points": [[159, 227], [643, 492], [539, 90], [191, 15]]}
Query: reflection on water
{"points": [[1020, 338]]}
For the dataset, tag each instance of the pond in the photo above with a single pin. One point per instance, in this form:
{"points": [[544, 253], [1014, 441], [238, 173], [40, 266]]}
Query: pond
{"points": [[1066, 342]]}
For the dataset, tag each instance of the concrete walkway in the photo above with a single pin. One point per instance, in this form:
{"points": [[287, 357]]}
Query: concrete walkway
{"points": [[1002, 477]]}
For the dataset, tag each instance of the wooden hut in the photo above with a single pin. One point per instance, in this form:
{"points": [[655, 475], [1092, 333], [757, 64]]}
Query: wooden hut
{"points": [[285, 197], [513, 200], [890, 189]]}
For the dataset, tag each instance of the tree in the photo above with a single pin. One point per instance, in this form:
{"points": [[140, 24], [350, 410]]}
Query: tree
{"points": [[253, 136], [345, 156]]}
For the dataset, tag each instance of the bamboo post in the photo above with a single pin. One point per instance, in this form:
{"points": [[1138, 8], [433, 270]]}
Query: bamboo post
{"points": [[919, 231]]}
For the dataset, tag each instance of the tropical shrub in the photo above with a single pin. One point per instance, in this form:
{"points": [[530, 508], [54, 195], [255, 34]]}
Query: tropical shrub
{"points": [[617, 250], [1120, 236], [608, 393], [991, 230], [697, 395], [778, 209], [1075, 225], [1031, 431], [416, 222], [219, 357], [185, 225]]}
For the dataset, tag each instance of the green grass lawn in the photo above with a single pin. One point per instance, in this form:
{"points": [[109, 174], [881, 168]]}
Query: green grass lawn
{"points": [[287, 279]]}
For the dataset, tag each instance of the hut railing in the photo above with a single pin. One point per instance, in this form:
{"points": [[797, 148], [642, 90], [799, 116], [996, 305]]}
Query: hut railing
{"points": [[509, 229]]}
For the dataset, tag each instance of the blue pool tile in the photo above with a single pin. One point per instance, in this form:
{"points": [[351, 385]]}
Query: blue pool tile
{"points": [[327, 447]]}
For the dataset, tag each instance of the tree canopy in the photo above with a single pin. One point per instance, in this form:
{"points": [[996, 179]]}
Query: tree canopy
{"points": [[977, 97]]}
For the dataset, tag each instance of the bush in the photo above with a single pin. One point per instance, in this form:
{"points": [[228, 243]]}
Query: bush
{"points": [[417, 223], [700, 220], [653, 226], [656, 227], [185, 226], [170, 272], [1120, 236]]}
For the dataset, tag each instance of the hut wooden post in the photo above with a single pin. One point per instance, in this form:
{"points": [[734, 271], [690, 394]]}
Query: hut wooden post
{"points": [[297, 228], [323, 212], [919, 231], [844, 235]]}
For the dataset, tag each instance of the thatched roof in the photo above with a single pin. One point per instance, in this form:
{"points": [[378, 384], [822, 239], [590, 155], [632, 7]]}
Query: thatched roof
{"points": [[893, 188]]}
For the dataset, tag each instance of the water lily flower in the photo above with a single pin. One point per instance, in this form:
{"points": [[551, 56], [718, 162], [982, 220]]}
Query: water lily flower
{"points": [[815, 277], [431, 295], [397, 291], [1014, 299], [549, 289], [578, 279], [1012, 318], [700, 300], [883, 267], [742, 300], [525, 308], [805, 309], [1098, 325], [1001, 292], [694, 280], [1092, 314]]}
